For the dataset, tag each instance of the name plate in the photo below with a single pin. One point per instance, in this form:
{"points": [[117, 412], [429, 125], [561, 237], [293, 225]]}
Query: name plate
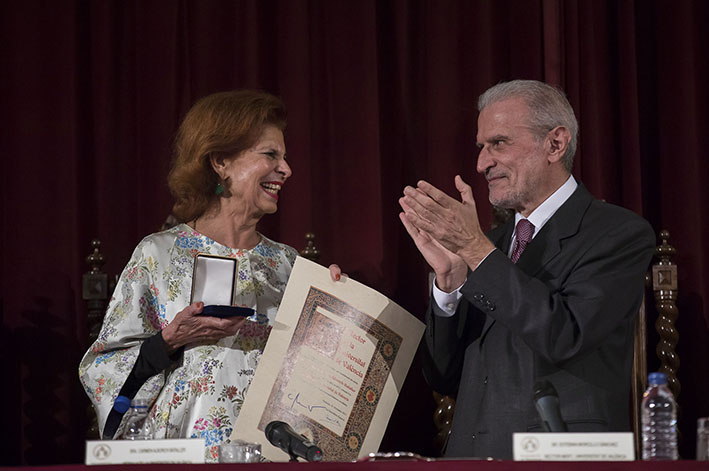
{"points": [[573, 446], [145, 451]]}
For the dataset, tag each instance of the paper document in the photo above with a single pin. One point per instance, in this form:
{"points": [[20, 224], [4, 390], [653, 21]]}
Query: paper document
{"points": [[333, 366]]}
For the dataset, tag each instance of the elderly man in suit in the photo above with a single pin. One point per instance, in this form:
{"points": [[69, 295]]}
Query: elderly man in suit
{"points": [[551, 295]]}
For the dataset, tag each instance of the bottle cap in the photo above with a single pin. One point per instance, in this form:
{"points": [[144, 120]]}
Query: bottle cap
{"points": [[121, 404], [140, 403], [657, 378]]}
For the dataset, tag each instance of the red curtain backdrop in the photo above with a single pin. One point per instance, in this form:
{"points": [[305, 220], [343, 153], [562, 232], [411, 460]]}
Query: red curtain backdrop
{"points": [[380, 94]]}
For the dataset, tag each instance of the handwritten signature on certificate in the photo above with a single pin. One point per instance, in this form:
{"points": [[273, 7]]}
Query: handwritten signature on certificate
{"points": [[296, 401]]}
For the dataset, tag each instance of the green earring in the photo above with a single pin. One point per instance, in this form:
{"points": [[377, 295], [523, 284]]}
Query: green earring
{"points": [[219, 190]]}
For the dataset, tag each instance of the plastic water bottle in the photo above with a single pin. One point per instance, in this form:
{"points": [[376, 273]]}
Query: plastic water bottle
{"points": [[138, 427], [659, 420]]}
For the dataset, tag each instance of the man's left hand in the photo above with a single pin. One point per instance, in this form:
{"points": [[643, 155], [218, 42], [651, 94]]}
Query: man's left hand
{"points": [[454, 224]]}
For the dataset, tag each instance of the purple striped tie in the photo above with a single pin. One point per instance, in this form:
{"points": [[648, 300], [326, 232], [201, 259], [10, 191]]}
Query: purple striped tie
{"points": [[523, 234]]}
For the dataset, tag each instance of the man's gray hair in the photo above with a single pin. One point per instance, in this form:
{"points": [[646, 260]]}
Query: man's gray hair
{"points": [[548, 108]]}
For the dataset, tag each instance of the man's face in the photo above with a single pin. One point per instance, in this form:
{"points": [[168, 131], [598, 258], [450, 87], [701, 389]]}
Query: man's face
{"points": [[512, 159]]}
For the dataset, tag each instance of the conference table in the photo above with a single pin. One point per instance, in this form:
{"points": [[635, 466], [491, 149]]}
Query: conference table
{"points": [[398, 465]]}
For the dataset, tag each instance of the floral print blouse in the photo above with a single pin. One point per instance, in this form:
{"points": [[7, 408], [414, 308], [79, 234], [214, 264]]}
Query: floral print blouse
{"points": [[199, 396]]}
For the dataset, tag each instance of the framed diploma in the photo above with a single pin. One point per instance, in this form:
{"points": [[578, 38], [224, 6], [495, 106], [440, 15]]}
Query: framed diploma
{"points": [[333, 366]]}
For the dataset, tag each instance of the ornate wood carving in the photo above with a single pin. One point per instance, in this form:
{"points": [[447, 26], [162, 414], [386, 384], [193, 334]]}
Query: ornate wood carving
{"points": [[95, 289], [442, 419], [310, 251], [664, 285]]}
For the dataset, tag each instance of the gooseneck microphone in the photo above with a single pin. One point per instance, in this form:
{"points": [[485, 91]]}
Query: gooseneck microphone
{"points": [[282, 435], [546, 400]]}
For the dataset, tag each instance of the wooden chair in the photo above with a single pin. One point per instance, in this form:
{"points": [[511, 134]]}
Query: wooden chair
{"points": [[97, 288], [310, 251], [663, 277]]}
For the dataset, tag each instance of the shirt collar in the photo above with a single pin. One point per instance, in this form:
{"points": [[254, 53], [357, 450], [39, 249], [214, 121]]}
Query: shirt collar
{"points": [[546, 210]]}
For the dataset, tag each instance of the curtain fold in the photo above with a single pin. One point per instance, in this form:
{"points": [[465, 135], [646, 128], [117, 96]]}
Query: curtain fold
{"points": [[380, 94]]}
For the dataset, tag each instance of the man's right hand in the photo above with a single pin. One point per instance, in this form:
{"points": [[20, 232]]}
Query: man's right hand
{"points": [[451, 271], [189, 326]]}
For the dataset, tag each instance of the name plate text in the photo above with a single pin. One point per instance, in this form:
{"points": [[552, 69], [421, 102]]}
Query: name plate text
{"points": [[573, 447], [145, 451]]}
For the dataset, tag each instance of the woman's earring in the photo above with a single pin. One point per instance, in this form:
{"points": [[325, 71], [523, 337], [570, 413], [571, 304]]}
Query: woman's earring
{"points": [[219, 190]]}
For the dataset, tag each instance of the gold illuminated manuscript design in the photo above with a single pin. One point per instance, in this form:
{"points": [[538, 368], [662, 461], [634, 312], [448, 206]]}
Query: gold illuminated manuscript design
{"points": [[332, 375]]}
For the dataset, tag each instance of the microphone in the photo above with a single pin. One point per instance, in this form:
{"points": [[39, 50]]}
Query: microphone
{"points": [[546, 400], [282, 435]]}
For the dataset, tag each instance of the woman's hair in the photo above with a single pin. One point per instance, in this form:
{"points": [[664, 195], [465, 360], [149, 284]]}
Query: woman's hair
{"points": [[548, 108], [221, 125]]}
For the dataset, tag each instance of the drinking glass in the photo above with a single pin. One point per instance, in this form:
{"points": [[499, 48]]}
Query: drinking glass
{"points": [[239, 451], [703, 439]]}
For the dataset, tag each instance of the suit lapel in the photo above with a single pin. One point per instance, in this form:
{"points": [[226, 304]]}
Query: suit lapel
{"points": [[563, 224], [547, 243]]}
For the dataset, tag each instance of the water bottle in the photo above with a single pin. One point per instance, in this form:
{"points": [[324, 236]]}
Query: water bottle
{"points": [[138, 427], [659, 420]]}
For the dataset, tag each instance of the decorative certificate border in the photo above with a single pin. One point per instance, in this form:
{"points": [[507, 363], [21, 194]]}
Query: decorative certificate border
{"points": [[317, 331]]}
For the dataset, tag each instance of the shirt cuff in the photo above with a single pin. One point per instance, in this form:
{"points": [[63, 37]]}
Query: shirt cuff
{"points": [[445, 304]]}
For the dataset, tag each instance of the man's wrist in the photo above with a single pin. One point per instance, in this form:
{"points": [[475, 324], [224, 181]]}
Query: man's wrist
{"points": [[452, 280], [445, 304], [448, 286], [475, 255]]}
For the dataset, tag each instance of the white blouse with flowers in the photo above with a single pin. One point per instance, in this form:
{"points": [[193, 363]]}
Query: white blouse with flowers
{"points": [[201, 395]]}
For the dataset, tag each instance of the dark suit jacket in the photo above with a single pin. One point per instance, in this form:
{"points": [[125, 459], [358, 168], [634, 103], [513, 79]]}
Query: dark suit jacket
{"points": [[564, 313]]}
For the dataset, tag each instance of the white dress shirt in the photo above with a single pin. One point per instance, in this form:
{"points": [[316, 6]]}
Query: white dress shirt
{"points": [[446, 303]]}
